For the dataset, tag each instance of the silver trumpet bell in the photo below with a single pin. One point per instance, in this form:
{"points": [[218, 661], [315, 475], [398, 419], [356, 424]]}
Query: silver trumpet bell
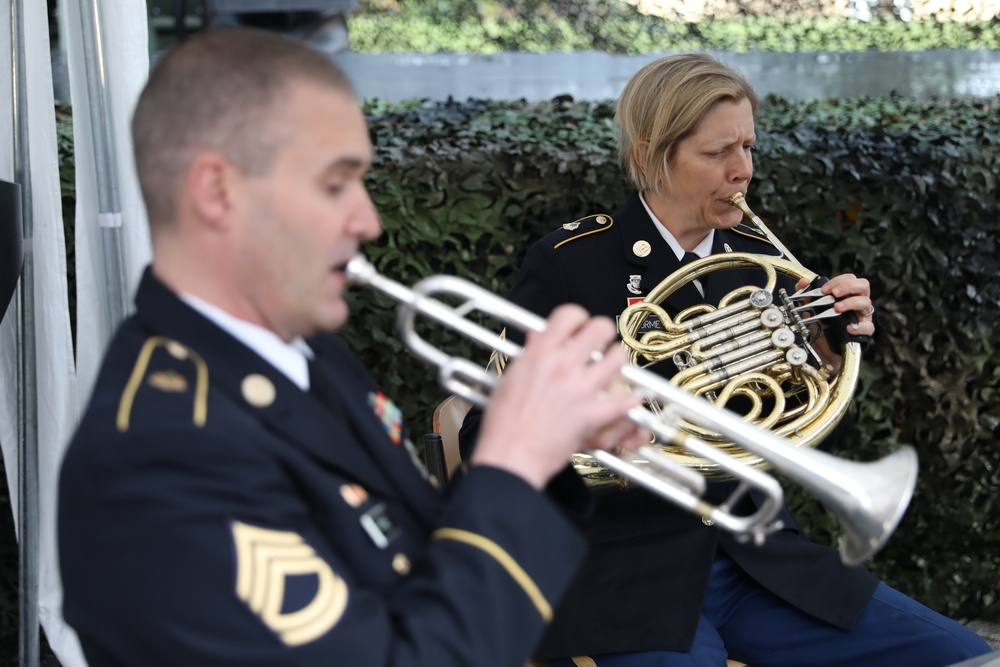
{"points": [[869, 499]]}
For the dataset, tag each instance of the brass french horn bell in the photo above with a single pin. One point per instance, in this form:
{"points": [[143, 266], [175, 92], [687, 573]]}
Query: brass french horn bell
{"points": [[756, 347]]}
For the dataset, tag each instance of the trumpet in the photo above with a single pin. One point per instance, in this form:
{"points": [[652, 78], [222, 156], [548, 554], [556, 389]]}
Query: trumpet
{"points": [[869, 499]]}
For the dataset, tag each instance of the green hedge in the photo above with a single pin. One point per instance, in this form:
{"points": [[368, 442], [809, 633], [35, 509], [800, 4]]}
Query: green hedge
{"points": [[902, 192], [616, 27]]}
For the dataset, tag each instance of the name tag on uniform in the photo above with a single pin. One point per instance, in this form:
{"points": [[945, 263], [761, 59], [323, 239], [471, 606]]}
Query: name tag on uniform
{"points": [[651, 323], [379, 526]]}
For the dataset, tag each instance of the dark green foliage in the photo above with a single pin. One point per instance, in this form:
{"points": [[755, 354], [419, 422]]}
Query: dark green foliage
{"points": [[617, 27], [67, 188], [899, 191]]}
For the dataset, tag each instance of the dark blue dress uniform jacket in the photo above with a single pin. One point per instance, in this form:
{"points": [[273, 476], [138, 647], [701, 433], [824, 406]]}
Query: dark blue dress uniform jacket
{"points": [[644, 582], [212, 513]]}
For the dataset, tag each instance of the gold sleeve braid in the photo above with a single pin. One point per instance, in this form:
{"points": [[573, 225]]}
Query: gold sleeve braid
{"points": [[505, 560]]}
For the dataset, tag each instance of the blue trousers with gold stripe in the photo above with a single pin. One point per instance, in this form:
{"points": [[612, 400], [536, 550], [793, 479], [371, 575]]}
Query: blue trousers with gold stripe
{"points": [[743, 621]]}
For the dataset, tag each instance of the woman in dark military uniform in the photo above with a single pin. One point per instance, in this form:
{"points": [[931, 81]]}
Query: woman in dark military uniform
{"points": [[662, 587]]}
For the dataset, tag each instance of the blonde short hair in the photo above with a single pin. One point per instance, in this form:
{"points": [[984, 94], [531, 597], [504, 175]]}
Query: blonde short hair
{"points": [[662, 104]]}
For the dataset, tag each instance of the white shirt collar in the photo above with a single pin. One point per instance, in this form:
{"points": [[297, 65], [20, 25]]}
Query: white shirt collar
{"points": [[289, 358], [703, 249]]}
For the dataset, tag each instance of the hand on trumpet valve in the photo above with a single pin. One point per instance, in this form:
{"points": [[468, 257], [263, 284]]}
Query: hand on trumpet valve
{"points": [[562, 395]]}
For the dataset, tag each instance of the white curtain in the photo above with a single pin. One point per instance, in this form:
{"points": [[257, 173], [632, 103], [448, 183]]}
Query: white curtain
{"points": [[126, 59], [62, 389], [58, 405]]}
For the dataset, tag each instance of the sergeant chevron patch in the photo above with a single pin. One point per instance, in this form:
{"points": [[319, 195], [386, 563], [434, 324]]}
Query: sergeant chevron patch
{"points": [[270, 566]]}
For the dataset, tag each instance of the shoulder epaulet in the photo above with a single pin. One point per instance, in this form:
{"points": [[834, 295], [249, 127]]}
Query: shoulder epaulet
{"points": [[592, 224], [176, 376], [751, 232]]}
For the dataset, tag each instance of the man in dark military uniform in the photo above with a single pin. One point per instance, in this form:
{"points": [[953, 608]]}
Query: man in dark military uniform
{"points": [[240, 492], [660, 586]]}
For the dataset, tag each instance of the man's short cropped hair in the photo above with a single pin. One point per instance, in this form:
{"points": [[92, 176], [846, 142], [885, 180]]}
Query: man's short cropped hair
{"points": [[219, 91], [662, 104]]}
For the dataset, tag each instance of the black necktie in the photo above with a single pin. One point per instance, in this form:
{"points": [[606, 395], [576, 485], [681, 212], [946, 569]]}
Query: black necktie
{"points": [[700, 282]]}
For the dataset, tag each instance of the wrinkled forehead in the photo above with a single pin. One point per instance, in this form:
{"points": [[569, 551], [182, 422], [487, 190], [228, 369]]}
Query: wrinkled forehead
{"points": [[725, 113]]}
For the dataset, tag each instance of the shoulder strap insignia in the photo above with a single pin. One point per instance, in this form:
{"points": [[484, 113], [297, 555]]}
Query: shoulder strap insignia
{"points": [[751, 232], [592, 224], [265, 562], [167, 380]]}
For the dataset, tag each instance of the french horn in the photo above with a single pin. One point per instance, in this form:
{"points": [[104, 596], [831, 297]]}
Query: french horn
{"points": [[758, 346]]}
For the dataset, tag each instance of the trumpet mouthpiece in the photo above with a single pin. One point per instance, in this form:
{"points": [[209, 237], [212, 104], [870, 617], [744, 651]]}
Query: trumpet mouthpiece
{"points": [[359, 270]]}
